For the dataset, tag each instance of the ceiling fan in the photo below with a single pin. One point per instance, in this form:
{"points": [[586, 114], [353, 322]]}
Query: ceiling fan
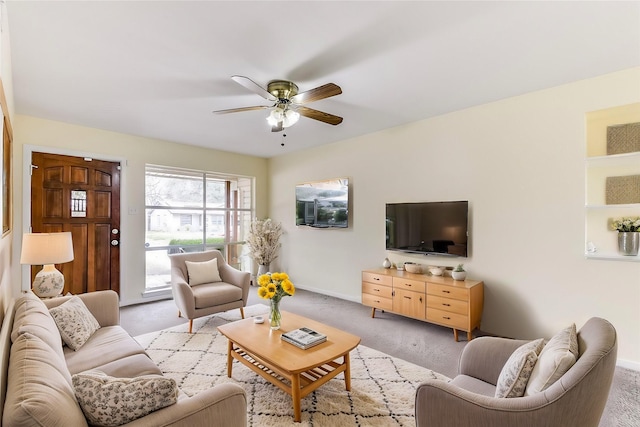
{"points": [[288, 103]]}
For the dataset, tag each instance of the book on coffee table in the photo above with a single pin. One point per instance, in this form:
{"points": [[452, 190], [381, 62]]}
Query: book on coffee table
{"points": [[304, 337]]}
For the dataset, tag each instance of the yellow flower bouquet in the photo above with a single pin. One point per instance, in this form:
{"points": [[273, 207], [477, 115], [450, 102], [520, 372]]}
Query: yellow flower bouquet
{"points": [[274, 286]]}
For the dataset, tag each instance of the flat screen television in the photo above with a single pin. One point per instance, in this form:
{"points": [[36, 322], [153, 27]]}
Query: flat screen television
{"points": [[430, 228], [323, 204]]}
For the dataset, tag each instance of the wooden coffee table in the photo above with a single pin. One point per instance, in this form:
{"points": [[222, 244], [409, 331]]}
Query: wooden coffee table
{"points": [[297, 372]]}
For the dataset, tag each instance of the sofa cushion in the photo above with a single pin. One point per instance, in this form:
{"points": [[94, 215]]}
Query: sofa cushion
{"points": [[515, 374], [203, 272], [109, 401], [107, 344], [75, 322], [31, 315], [130, 366], [39, 391], [556, 358]]}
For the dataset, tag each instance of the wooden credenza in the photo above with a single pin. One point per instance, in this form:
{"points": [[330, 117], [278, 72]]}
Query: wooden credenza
{"points": [[441, 300]]}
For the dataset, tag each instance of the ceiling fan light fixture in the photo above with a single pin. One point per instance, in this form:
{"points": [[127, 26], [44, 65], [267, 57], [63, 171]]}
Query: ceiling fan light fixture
{"points": [[275, 117], [290, 118]]}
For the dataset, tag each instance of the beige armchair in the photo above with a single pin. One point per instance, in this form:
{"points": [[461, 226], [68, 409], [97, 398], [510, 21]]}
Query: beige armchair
{"points": [[207, 298], [576, 399]]}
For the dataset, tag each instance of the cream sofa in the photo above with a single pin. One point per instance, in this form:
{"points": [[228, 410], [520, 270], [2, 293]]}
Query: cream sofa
{"points": [[36, 386]]}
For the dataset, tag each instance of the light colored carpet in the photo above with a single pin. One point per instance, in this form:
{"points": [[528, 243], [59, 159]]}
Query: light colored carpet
{"points": [[382, 387]]}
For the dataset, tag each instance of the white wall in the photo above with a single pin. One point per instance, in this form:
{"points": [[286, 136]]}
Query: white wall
{"points": [[44, 135], [520, 163]]}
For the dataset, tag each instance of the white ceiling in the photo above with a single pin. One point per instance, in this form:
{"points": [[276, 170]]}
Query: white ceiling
{"points": [[159, 68]]}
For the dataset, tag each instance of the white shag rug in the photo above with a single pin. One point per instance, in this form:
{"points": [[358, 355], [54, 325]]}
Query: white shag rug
{"points": [[382, 387]]}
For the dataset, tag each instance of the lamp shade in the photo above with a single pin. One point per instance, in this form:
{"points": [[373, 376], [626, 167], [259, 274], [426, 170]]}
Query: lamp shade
{"points": [[46, 248]]}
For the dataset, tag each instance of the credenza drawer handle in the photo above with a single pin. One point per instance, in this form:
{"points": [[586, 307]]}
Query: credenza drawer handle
{"points": [[447, 292], [408, 284], [407, 297], [376, 290], [446, 305], [376, 278], [447, 318]]}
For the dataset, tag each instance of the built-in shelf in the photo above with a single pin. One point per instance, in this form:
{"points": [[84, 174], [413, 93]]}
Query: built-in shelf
{"points": [[610, 207], [598, 167], [611, 257]]}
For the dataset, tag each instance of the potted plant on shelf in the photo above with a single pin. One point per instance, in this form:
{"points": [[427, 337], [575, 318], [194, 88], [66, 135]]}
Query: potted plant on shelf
{"points": [[628, 229], [459, 273], [263, 242]]}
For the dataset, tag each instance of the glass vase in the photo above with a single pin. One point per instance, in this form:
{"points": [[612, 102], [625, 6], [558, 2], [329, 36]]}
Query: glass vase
{"points": [[275, 317]]}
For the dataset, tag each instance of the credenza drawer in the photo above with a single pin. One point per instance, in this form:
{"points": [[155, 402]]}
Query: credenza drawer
{"points": [[447, 318], [448, 291], [377, 278], [377, 302], [376, 289], [408, 284], [448, 304]]}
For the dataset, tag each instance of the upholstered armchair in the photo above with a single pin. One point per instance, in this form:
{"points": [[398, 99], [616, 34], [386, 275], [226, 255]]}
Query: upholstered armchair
{"points": [[577, 398], [203, 283]]}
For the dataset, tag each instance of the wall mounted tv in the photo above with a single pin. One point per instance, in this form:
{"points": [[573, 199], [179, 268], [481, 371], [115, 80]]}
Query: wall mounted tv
{"points": [[323, 204], [430, 228]]}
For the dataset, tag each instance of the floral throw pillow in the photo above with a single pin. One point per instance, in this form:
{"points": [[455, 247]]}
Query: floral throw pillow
{"points": [[109, 401], [515, 374], [75, 322], [203, 272]]}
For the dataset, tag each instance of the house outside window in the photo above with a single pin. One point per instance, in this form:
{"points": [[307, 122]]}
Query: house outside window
{"points": [[193, 211]]}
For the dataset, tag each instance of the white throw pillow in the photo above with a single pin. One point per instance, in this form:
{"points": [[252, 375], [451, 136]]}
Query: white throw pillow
{"points": [[109, 401], [203, 272], [75, 322], [557, 356], [516, 372]]}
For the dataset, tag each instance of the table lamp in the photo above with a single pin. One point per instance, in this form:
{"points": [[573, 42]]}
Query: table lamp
{"points": [[47, 249]]}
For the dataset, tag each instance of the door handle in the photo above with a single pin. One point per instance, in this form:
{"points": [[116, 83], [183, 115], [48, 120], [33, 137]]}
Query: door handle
{"points": [[114, 242]]}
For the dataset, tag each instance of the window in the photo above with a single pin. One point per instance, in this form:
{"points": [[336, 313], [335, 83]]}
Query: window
{"points": [[192, 211]]}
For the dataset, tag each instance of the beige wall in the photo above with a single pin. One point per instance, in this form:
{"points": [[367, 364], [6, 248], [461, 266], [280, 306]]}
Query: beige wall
{"points": [[34, 134], [520, 163], [5, 241]]}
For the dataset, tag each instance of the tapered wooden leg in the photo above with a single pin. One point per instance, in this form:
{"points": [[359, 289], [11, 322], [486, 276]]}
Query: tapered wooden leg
{"points": [[347, 372], [295, 396], [191, 326], [229, 358], [242, 312], [373, 312], [455, 334], [469, 336]]}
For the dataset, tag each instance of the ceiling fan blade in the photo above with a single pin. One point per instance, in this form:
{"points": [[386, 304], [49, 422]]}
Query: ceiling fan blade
{"points": [[277, 128], [238, 110], [321, 92], [319, 115], [253, 87]]}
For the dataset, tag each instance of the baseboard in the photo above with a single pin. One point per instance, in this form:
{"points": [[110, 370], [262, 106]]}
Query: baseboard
{"points": [[628, 364], [149, 296], [331, 294]]}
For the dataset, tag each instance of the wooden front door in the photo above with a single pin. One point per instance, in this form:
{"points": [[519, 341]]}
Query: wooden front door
{"points": [[80, 195]]}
